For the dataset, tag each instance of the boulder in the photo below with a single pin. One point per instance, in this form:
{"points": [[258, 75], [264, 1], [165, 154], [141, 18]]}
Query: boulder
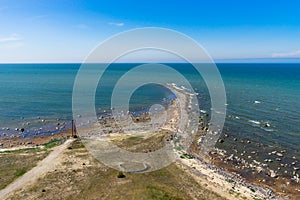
{"points": [[273, 174]]}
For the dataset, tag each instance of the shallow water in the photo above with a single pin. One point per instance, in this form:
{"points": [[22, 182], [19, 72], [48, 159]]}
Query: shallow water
{"points": [[263, 99]]}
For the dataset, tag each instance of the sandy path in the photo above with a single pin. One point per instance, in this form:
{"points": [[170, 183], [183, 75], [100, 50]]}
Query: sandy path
{"points": [[43, 167]]}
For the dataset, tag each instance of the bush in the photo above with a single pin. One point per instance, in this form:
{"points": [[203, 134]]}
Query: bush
{"points": [[121, 175]]}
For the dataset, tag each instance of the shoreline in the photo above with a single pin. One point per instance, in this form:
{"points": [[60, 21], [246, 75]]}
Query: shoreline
{"points": [[32, 142], [221, 177]]}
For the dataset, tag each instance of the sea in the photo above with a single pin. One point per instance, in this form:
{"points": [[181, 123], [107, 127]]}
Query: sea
{"points": [[263, 100]]}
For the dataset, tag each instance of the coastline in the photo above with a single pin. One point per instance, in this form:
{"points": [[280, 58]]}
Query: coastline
{"points": [[209, 171], [32, 142]]}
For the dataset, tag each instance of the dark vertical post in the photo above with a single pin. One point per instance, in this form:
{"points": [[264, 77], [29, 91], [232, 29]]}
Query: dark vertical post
{"points": [[72, 127]]}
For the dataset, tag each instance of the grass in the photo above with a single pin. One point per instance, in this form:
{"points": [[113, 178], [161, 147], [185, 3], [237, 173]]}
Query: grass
{"points": [[93, 180], [53, 143], [230, 180], [19, 150], [140, 144], [15, 163], [20, 171], [186, 155], [159, 194]]}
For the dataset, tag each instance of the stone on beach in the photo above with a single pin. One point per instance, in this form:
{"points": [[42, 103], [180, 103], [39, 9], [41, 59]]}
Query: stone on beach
{"points": [[273, 174], [279, 154]]}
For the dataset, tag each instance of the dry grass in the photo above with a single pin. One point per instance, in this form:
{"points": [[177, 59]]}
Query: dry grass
{"points": [[80, 176], [15, 163]]}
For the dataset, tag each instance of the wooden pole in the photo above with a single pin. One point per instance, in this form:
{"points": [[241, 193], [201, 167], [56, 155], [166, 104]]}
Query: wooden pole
{"points": [[72, 128]]}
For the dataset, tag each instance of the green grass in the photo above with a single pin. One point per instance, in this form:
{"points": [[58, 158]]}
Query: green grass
{"points": [[230, 180], [20, 172], [14, 164], [27, 158], [20, 150], [53, 143], [156, 193], [186, 155]]}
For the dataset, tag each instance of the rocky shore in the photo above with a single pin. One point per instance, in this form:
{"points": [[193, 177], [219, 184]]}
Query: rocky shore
{"points": [[237, 171]]}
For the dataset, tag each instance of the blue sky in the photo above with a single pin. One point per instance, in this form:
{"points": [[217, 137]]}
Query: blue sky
{"points": [[66, 30]]}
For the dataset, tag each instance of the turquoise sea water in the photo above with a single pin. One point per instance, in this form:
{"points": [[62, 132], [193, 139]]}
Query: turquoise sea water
{"points": [[263, 99]]}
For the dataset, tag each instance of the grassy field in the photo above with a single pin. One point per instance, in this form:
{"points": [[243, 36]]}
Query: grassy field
{"points": [[15, 163], [80, 176]]}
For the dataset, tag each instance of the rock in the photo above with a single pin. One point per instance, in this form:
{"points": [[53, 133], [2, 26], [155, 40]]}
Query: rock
{"points": [[273, 174], [267, 125], [221, 141], [279, 154], [230, 157], [259, 169]]}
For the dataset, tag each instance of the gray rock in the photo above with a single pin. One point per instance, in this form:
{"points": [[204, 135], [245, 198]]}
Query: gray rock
{"points": [[273, 174], [279, 154]]}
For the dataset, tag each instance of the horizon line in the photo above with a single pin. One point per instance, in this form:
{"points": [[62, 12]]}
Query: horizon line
{"points": [[222, 60]]}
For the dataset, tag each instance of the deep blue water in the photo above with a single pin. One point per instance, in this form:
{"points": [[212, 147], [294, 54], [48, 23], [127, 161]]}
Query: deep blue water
{"points": [[33, 92]]}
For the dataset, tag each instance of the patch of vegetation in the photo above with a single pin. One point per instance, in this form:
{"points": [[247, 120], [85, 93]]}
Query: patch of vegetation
{"points": [[186, 155], [77, 144], [252, 189], [10, 163], [139, 143], [25, 150], [178, 148], [53, 143], [20, 172], [159, 194], [121, 175], [230, 180], [97, 181]]}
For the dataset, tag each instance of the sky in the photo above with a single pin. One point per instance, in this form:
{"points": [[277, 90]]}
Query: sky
{"points": [[68, 30]]}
